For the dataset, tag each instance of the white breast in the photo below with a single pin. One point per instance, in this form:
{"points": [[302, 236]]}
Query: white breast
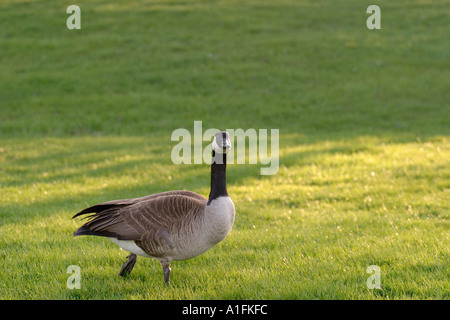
{"points": [[219, 218]]}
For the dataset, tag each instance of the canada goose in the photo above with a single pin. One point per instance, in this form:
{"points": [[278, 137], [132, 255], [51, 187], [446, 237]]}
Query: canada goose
{"points": [[172, 225]]}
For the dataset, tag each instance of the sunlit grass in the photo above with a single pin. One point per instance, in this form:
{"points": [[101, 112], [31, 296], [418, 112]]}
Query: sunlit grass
{"points": [[308, 232]]}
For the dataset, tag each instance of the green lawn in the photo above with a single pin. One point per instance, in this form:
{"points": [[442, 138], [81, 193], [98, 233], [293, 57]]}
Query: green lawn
{"points": [[86, 116]]}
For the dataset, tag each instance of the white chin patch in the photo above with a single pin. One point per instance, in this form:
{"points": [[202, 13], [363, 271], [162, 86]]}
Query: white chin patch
{"points": [[216, 147]]}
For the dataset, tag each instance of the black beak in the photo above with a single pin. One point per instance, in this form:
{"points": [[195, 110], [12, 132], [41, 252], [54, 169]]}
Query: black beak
{"points": [[226, 146]]}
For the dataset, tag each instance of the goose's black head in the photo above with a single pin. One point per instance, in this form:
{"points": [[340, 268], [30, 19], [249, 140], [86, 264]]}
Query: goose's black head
{"points": [[221, 142]]}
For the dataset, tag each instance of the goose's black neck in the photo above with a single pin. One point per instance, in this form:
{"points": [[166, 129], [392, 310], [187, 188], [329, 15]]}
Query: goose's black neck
{"points": [[218, 176]]}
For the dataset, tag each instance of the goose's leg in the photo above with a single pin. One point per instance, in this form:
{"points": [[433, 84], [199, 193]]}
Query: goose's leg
{"points": [[166, 272], [128, 265], [165, 263]]}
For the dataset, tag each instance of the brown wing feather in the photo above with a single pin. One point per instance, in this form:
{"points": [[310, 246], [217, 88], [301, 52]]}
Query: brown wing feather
{"points": [[160, 218], [148, 221], [127, 202]]}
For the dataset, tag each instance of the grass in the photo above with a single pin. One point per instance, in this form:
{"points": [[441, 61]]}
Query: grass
{"points": [[87, 115]]}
